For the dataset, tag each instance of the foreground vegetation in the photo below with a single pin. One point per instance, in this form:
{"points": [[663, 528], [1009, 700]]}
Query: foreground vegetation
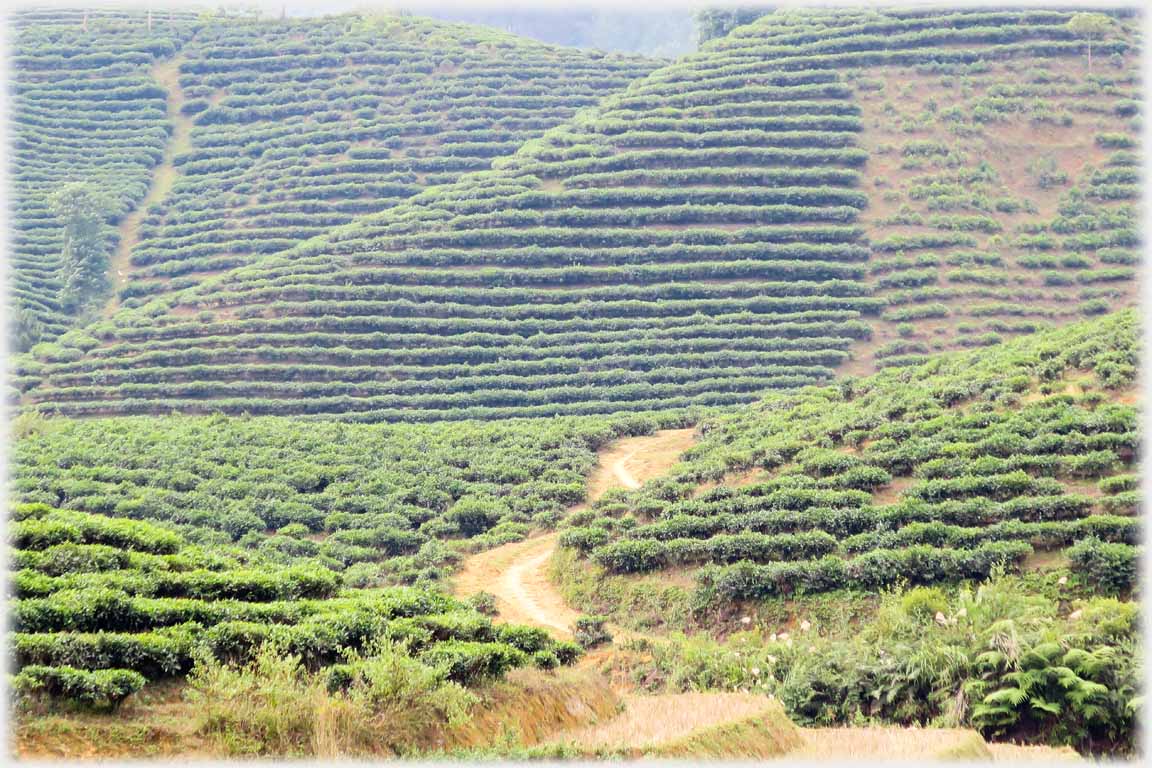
{"points": [[1022, 660], [102, 605], [146, 548]]}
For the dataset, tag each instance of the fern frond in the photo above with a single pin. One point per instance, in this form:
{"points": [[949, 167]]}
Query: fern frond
{"points": [[1012, 696], [1041, 705]]}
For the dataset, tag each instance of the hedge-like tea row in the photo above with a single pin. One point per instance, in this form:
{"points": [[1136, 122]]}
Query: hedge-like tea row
{"points": [[94, 638], [870, 571]]}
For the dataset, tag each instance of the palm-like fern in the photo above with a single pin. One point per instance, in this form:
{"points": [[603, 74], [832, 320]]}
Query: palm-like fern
{"points": [[1046, 689]]}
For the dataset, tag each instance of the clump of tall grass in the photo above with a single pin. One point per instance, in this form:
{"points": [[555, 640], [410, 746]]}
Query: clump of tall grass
{"points": [[382, 703]]}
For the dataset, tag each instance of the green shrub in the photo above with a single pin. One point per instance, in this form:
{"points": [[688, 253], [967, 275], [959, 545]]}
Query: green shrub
{"points": [[1119, 484], [484, 603], [923, 603], [1110, 567], [471, 662], [103, 690], [590, 631]]}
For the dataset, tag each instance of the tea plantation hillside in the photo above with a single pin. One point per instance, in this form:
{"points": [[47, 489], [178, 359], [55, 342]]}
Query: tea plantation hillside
{"points": [[720, 229], [274, 131], [84, 107], [300, 127], [929, 474], [104, 606], [144, 546], [393, 503], [1003, 197], [950, 544]]}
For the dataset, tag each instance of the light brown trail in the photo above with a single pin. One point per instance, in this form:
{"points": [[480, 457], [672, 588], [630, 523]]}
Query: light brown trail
{"points": [[517, 573]]}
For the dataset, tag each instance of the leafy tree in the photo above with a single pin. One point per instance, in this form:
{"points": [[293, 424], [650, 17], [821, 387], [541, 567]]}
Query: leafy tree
{"points": [[1090, 26], [712, 23], [82, 210], [26, 330]]}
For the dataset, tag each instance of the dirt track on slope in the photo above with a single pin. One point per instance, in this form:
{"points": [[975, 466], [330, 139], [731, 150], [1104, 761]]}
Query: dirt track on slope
{"points": [[517, 573], [167, 74]]}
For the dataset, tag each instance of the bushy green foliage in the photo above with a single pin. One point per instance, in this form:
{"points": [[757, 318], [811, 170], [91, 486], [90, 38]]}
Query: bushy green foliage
{"points": [[924, 603], [114, 618], [103, 689], [590, 631], [1110, 566], [983, 478], [380, 494], [1001, 657], [470, 662], [379, 702]]}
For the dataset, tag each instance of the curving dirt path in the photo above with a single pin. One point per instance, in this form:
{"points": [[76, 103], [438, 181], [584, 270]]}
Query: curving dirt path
{"points": [[621, 473], [517, 573]]}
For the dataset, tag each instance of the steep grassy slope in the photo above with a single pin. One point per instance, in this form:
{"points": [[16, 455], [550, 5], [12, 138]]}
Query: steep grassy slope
{"points": [[696, 240], [933, 473], [85, 108]]}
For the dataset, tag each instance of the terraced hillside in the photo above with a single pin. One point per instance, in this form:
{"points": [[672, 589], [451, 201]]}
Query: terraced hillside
{"points": [[279, 130], [1003, 197], [85, 108], [929, 474], [301, 126], [949, 544], [697, 240]]}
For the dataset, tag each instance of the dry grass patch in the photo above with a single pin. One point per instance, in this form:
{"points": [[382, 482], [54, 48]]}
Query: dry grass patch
{"points": [[530, 706], [1046, 560], [691, 725], [1021, 753], [892, 744]]}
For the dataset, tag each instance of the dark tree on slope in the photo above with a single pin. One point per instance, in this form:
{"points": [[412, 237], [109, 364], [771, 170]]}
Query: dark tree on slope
{"points": [[25, 330], [84, 260], [712, 23]]}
